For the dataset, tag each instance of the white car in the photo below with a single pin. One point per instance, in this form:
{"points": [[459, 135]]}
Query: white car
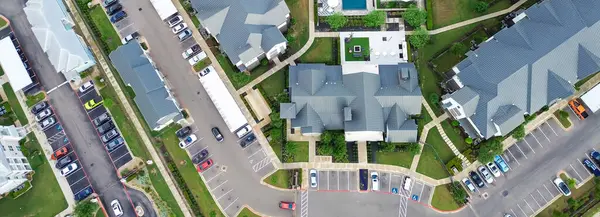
{"points": [[562, 186], [374, 181], [188, 141], [86, 86], [486, 174], [407, 181], [469, 184], [197, 58], [494, 169], [178, 28], [68, 169], [191, 51], [116, 207], [175, 20], [43, 114], [130, 37], [313, 178]]}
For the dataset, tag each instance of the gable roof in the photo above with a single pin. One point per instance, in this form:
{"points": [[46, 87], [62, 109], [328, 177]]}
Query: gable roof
{"points": [[244, 28], [328, 99], [151, 95], [531, 63]]}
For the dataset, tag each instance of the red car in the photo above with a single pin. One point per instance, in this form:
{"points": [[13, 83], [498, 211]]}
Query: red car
{"points": [[204, 165], [287, 205], [59, 153]]}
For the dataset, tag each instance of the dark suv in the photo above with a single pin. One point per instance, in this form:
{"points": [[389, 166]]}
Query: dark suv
{"points": [[114, 9], [101, 119], [60, 163], [84, 193], [106, 127], [198, 158], [248, 140], [217, 134], [477, 179]]}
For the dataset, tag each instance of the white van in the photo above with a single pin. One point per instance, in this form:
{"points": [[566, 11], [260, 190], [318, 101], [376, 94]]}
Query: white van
{"points": [[407, 181], [243, 131]]}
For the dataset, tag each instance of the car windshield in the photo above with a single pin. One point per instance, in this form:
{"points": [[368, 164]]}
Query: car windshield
{"points": [[564, 188], [313, 175]]}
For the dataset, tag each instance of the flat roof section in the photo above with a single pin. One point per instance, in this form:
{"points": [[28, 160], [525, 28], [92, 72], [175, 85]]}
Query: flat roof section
{"points": [[592, 98], [12, 65], [218, 93]]}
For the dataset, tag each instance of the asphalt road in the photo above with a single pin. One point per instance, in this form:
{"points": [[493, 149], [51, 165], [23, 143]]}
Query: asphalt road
{"points": [[67, 107]]}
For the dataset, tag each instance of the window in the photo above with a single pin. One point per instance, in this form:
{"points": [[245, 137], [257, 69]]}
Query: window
{"points": [[20, 167], [3, 149], [384, 38], [27, 167], [13, 167], [10, 148], [400, 46], [18, 147], [23, 160]]}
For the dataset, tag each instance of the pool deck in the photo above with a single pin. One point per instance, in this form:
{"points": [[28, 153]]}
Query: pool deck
{"points": [[325, 10]]}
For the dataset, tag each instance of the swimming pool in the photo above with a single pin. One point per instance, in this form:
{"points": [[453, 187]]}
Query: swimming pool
{"points": [[354, 4]]}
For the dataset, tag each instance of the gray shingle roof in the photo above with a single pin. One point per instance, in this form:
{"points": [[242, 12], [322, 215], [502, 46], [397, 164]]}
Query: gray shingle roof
{"points": [[151, 96], [327, 99], [529, 64], [244, 28]]}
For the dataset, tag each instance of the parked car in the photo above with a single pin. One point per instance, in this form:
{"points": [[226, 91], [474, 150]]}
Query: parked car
{"points": [[562, 187], [475, 177], [374, 181], [101, 119], [179, 27], [115, 143], [65, 171], [59, 153], [591, 166], [485, 173], [60, 163], [105, 127], [111, 10], [198, 158], [187, 141], [84, 193], [175, 20], [313, 178], [86, 86], [185, 34], [109, 135], [37, 108], [248, 140], [197, 58], [469, 185], [578, 108], [493, 168], [183, 132], [217, 134], [204, 72], [204, 165], [501, 163], [130, 37], [287, 205], [595, 156], [191, 51], [92, 103], [43, 114], [118, 16], [47, 122], [407, 182], [107, 3], [116, 207]]}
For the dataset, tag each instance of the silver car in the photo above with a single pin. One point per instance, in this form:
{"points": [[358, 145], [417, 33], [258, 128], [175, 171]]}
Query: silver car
{"points": [[43, 114], [485, 173], [47, 122], [109, 135]]}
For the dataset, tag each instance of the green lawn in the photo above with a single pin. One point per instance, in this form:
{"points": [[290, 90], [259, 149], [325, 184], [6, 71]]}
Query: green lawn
{"points": [[14, 103], [2, 23], [201, 65], [349, 47], [446, 61], [46, 196], [301, 154], [442, 198], [403, 159], [99, 213], [163, 190], [1, 70], [425, 118], [299, 28], [237, 79], [429, 165], [321, 51], [279, 179], [247, 213], [564, 121], [32, 100], [188, 172], [105, 28], [446, 12], [454, 134], [274, 85]]}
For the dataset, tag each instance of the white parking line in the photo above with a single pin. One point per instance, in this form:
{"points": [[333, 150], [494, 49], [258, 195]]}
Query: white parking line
{"points": [[423, 188], [551, 128], [207, 181], [77, 181], [266, 161], [511, 154], [231, 203], [120, 157], [60, 85], [348, 180], [522, 210], [538, 190], [575, 171], [328, 180], [224, 194], [259, 150], [534, 200], [390, 182], [513, 212], [529, 145], [538, 141], [548, 191], [125, 27], [528, 205], [219, 185], [540, 128], [520, 151], [248, 146], [338, 178], [91, 110]]}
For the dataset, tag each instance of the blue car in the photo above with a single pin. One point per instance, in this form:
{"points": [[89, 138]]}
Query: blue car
{"points": [[118, 16], [595, 156], [591, 166], [501, 163], [84, 193]]}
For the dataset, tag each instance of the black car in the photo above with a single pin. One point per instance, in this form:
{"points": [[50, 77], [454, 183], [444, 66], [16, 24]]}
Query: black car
{"points": [[248, 140], [477, 179], [217, 134], [60, 163], [591, 166], [106, 127], [37, 108], [198, 158], [184, 132], [114, 9], [84, 193]]}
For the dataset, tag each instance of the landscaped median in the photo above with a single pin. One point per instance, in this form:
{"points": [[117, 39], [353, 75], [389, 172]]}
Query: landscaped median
{"points": [[563, 117], [582, 199], [448, 197], [14, 104], [284, 178]]}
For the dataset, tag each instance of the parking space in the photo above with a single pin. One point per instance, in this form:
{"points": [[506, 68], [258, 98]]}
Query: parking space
{"points": [[577, 171]]}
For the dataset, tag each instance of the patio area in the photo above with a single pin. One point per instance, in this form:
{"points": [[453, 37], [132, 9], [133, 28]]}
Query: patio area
{"points": [[379, 48], [357, 49]]}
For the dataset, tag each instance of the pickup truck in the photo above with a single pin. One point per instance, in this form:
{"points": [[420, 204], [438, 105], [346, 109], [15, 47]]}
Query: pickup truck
{"points": [[578, 108], [194, 49]]}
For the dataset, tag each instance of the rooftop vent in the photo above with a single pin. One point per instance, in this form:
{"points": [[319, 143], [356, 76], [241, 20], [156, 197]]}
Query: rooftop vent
{"points": [[347, 114], [403, 74]]}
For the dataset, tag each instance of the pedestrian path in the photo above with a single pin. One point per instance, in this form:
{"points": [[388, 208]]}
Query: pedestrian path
{"points": [[465, 162]]}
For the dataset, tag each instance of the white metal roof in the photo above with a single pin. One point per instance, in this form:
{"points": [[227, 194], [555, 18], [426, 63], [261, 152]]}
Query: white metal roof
{"points": [[12, 65], [218, 93], [165, 8], [592, 98]]}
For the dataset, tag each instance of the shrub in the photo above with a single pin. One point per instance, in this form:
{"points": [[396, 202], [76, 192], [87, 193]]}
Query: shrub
{"points": [[469, 140], [419, 38], [456, 163], [563, 114], [458, 49], [434, 98], [469, 155], [414, 16], [489, 148], [264, 62], [144, 45], [458, 192], [387, 147], [571, 183], [455, 123], [375, 18], [480, 6], [412, 148], [519, 132], [85, 208], [336, 21]]}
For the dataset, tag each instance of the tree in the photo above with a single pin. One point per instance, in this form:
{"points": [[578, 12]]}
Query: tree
{"points": [[340, 152], [375, 18], [327, 137], [414, 16], [276, 120], [85, 208], [387, 147], [563, 114], [571, 183], [469, 140], [419, 38], [336, 21], [458, 192], [479, 6], [489, 148], [519, 132], [558, 213], [458, 49], [412, 148], [277, 135]]}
